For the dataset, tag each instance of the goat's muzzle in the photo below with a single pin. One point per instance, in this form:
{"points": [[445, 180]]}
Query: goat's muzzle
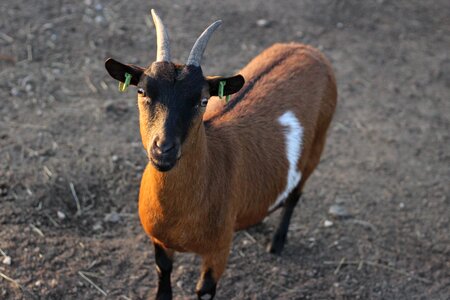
{"points": [[164, 154]]}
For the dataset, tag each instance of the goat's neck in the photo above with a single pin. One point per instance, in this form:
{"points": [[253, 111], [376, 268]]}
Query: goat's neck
{"points": [[186, 181]]}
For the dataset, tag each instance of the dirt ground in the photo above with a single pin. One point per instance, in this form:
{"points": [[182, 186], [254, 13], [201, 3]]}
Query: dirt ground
{"points": [[67, 133]]}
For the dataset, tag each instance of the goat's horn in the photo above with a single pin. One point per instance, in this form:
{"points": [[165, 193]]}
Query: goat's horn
{"points": [[162, 39], [195, 57]]}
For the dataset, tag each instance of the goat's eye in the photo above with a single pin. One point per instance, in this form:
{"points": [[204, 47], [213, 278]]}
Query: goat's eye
{"points": [[203, 102], [141, 91]]}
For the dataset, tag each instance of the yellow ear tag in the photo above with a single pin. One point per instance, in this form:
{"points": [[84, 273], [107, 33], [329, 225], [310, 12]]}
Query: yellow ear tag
{"points": [[124, 85]]}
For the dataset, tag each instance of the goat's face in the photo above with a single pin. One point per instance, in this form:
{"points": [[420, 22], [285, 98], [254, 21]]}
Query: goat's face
{"points": [[171, 100]]}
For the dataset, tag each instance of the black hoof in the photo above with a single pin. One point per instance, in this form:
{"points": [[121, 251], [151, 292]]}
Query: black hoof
{"points": [[166, 295], [206, 288], [205, 296], [277, 244]]}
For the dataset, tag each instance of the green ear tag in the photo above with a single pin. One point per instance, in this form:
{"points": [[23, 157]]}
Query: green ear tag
{"points": [[124, 85], [221, 88]]}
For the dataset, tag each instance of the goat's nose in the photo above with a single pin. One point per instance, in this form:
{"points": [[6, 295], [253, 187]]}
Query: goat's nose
{"points": [[163, 145]]}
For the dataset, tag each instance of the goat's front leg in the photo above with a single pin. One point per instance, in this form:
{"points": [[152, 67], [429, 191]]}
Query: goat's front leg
{"points": [[213, 266], [163, 259]]}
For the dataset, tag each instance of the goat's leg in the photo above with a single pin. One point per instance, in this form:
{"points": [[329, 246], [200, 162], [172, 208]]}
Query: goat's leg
{"points": [[163, 259], [279, 238], [212, 268]]}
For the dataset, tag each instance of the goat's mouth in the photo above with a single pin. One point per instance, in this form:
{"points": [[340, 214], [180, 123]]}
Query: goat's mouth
{"points": [[162, 166], [164, 163]]}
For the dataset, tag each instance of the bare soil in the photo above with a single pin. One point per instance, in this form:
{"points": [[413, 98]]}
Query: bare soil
{"points": [[66, 133]]}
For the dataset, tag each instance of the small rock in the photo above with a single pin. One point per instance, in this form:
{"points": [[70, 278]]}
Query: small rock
{"points": [[38, 283], [339, 25], [14, 92], [7, 260], [28, 87], [180, 284], [262, 23], [61, 215], [339, 211], [112, 217], [401, 205], [97, 226], [99, 19], [327, 223], [206, 297], [53, 283], [115, 158]]}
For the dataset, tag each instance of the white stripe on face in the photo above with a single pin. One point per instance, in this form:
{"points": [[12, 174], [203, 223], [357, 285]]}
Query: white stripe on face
{"points": [[294, 135]]}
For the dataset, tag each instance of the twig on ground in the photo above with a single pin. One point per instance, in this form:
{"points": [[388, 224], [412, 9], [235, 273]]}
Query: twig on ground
{"points": [[249, 236], [14, 282], [92, 283], [6, 37], [23, 125], [53, 221], [29, 52], [374, 264], [47, 171], [339, 266], [37, 230], [75, 197], [89, 83], [3, 253]]}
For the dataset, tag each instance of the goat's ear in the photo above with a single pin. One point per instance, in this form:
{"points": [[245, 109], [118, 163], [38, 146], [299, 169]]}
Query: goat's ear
{"points": [[232, 84], [117, 71]]}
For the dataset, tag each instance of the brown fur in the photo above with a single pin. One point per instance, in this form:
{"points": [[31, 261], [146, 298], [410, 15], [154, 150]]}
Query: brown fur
{"points": [[233, 169]]}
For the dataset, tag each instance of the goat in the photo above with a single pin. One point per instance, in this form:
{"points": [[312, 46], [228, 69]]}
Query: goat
{"points": [[215, 169]]}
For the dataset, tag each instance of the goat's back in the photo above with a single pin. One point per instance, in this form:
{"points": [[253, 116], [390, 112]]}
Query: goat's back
{"points": [[286, 80]]}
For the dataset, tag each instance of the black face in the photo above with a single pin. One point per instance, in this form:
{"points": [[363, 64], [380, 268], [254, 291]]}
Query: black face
{"points": [[170, 98]]}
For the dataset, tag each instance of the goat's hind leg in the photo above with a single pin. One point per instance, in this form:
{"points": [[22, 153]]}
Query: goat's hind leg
{"points": [[163, 259], [279, 238]]}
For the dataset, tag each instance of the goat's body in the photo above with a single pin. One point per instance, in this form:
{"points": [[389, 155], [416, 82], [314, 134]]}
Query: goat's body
{"points": [[236, 166], [214, 168]]}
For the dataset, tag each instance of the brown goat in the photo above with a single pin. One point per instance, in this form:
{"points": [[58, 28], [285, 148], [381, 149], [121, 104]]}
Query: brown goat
{"points": [[220, 168]]}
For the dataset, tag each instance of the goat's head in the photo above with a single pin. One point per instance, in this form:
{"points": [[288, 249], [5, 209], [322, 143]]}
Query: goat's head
{"points": [[171, 97]]}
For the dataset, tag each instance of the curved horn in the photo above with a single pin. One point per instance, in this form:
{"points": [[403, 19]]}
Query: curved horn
{"points": [[162, 39], [195, 57]]}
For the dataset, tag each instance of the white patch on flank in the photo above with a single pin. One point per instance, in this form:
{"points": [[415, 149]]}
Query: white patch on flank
{"points": [[294, 135]]}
